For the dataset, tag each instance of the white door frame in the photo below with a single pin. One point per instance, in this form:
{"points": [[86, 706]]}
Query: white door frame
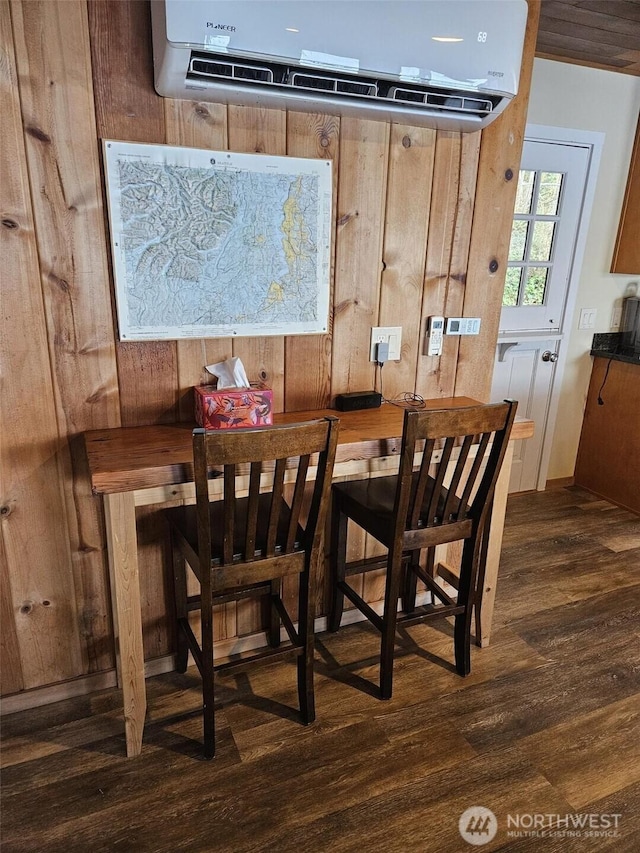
{"points": [[594, 141]]}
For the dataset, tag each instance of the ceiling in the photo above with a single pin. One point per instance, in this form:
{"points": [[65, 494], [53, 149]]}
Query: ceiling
{"points": [[599, 33]]}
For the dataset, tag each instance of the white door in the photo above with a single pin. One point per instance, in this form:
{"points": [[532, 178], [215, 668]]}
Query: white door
{"points": [[549, 207], [524, 371]]}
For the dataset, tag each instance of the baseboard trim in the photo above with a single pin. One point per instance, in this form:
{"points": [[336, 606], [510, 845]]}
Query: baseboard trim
{"points": [[86, 684], [39, 696], [559, 483]]}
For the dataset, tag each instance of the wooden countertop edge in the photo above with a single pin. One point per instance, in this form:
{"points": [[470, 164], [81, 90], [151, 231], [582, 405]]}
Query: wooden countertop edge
{"points": [[106, 478]]}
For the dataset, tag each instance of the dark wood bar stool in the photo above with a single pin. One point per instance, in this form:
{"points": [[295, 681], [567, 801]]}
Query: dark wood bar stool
{"points": [[448, 498], [240, 547]]}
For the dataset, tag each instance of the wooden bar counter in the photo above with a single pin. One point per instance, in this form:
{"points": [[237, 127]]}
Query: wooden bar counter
{"points": [[140, 466]]}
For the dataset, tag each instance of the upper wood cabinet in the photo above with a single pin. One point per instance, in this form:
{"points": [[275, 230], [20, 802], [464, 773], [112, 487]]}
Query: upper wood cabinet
{"points": [[626, 255]]}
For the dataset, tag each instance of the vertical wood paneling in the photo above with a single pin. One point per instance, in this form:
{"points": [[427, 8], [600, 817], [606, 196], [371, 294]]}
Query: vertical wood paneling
{"points": [[11, 669], [310, 387], [63, 163], [308, 357], [38, 588], [500, 154], [405, 245], [455, 173], [128, 109], [364, 148]]}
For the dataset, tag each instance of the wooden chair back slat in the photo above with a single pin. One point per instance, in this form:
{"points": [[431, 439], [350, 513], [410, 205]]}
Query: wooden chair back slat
{"points": [[229, 512], [296, 502], [422, 482], [450, 504], [252, 510], [276, 504], [472, 477], [431, 518]]}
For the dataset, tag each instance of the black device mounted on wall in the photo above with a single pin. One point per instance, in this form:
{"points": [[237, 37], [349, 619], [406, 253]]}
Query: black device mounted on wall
{"points": [[358, 400]]}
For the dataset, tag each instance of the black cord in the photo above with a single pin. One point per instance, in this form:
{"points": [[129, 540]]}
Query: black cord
{"points": [[380, 364], [406, 400], [606, 374]]}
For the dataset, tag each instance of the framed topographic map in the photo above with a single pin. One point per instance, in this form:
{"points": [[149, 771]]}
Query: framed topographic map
{"points": [[212, 243]]}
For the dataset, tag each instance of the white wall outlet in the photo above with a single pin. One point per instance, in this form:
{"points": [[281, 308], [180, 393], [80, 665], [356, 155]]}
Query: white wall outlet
{"points": [[391, 335], [587, 318]]}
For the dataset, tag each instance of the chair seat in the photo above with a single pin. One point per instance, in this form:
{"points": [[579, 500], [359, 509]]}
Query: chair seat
{"points": [[184, 519], [371, 503]]}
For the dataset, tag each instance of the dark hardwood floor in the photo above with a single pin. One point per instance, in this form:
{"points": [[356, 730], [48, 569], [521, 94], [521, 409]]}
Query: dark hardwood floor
{"points": [[544, 732]]}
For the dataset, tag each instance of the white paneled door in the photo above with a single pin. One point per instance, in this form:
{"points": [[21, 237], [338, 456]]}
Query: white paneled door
{"points": [[542, 259]]}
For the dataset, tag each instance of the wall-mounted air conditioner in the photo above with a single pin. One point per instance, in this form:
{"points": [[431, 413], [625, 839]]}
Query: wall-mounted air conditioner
{"points": [[451, 64]]}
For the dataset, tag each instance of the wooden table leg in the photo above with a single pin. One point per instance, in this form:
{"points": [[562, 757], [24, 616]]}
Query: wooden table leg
{"points": [[483, 625], [122, 546]]}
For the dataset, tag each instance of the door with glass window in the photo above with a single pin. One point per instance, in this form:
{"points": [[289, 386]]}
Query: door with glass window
{"points": [[549, 200]]}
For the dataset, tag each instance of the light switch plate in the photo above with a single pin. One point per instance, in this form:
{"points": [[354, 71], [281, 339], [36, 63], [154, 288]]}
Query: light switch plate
{"points": [[587, 318]]}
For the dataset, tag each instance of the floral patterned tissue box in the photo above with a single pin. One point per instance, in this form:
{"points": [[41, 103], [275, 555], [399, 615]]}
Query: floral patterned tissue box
{"points": [[231, 408]]}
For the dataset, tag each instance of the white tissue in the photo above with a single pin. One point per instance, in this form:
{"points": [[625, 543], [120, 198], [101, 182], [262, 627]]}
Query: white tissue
{"points": [[230, 373]]}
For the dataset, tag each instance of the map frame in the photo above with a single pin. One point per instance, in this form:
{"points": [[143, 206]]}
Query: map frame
{"points": [[136, 296]]}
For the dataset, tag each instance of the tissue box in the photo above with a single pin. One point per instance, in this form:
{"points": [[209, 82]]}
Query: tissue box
{"points": [[231, 408]]}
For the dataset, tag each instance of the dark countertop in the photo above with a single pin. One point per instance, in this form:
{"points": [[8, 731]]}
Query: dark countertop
{"points": [[608, 345]]}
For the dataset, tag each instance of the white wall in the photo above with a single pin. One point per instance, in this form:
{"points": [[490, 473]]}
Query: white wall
{"points": [[572, 96]]}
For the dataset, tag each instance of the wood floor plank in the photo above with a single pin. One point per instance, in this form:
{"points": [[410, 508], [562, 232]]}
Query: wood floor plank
{"points": [[424, 816], [600, 752], [596, 620], [562, 582]]}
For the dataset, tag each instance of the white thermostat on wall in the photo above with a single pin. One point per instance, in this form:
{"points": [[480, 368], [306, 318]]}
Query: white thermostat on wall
{"points": [[463, 326]]}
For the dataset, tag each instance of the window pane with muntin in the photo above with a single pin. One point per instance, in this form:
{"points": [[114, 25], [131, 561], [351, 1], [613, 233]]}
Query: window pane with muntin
{"points": [[549, 193], [542, 241], [524, 193], [536, 286], [512, 286], [518, 239]]}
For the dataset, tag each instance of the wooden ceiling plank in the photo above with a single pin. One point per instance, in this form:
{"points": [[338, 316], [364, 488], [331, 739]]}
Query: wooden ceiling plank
{"points": [[573, 31], [566, 46], [575, 58], [572, 13], [614, 8]]}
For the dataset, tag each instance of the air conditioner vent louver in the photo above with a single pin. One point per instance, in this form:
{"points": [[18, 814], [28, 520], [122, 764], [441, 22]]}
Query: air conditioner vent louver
{"points": [[283, 77], [231, 70], [328, 83]]}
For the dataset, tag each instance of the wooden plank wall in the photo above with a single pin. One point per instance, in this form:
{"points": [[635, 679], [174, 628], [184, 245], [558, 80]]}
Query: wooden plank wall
{"points": [[422, 222]]}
